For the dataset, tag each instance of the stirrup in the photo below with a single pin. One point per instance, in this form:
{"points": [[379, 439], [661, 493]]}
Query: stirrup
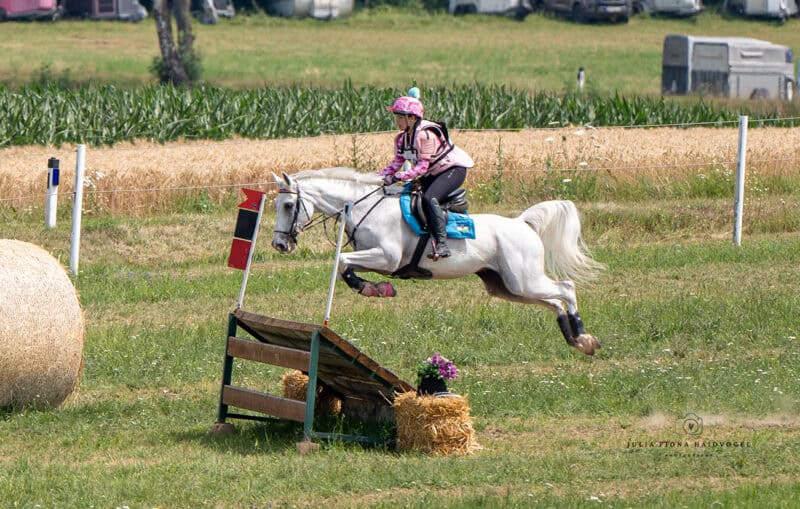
{"points": [[435, 254]]}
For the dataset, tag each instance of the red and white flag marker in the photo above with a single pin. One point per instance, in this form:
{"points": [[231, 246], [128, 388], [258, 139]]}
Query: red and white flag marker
{"points": [[245, 235]]}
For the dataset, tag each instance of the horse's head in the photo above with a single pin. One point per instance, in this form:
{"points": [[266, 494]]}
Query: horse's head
{"points": [[292, 212]]}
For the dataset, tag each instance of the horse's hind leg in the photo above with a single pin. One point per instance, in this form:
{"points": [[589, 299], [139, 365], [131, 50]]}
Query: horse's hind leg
{"points": [[572, 329], [578, 330], [551, 294]]}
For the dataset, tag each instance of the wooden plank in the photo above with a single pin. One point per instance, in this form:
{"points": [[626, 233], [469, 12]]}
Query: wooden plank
{"points": [[298, 335], [264, 403], [387, 376], [268, 354]]}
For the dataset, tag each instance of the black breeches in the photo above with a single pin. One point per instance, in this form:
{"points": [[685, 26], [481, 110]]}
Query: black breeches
{"points": [[439, 186]]}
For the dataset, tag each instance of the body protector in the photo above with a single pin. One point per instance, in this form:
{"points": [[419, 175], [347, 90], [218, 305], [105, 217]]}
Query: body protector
{"points": [[428, 149]]}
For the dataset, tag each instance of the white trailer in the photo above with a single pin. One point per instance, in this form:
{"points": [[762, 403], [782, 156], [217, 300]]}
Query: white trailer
{"points": [[319, 9], [517, 8], [735, 67], [678, 8], [775, 9]]}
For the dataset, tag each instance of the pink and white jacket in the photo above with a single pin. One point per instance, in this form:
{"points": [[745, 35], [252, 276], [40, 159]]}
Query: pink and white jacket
{"points": [[428, 150]]}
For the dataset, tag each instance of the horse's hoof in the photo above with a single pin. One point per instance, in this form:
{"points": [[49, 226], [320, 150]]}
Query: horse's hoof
{"points": [[586, 344], [385, 289]]}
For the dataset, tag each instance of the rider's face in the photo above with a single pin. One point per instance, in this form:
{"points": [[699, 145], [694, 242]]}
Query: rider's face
{"points": [[404, 122]]}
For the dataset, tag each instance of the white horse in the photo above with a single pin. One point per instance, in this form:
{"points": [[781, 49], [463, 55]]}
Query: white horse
{"points": [[510, 255]]}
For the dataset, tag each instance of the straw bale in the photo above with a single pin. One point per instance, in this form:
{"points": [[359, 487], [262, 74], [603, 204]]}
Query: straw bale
{"points": [[41, 328], [294, 387], [434, 425]]}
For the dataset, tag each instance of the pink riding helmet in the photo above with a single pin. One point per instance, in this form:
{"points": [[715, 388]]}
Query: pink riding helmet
{"points": [[407, 106]]}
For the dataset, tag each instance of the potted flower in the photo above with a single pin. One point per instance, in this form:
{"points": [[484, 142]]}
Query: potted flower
{"points": [[433, 373]]}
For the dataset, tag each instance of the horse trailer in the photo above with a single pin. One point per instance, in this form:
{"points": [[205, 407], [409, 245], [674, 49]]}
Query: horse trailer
{"points": [[736, 67], [318, 9], [774, 9], [208, 12], [517, 8], [127, 10], [29, 9]]}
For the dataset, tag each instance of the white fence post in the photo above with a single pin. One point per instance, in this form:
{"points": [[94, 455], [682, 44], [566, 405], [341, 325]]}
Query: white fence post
{"points": [[75, 239], [51, 197], [343, 216], [738, 200]]}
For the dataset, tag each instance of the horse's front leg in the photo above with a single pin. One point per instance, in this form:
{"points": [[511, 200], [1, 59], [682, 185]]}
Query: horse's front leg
{"points": [[370, 259]]}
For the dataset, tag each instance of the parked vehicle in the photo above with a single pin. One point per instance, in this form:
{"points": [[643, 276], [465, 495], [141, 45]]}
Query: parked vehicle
{"points": [[209, 11], [127, 10], [29, 9], [775, 9], [588, 10], [670, 7], [517, 8], [727, 66], [319, 9]]}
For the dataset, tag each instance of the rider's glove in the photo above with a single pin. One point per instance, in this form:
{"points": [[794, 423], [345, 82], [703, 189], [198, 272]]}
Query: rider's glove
{"points": [[389, 180]]}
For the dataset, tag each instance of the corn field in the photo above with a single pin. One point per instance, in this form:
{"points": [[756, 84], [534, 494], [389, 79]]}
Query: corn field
{"points": [[43, 114]]}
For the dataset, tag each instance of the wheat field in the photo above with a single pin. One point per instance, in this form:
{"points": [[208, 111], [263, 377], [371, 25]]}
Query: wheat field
{"points": [[141, 177]]}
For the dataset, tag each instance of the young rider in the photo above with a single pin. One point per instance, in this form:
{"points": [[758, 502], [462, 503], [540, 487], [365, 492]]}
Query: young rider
{"points": [[422, 149]]}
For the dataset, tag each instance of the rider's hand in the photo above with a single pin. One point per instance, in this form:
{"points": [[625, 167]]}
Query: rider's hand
{"points": [[389, 180]]}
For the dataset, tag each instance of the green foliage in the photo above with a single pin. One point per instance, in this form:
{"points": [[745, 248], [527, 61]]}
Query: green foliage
{"points": [[49, 114], [192, 64]]}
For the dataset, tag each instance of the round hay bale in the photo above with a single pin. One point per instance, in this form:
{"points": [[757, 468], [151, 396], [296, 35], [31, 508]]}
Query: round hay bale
{"points": [[41, 328], [294, 387], [434, 425]]}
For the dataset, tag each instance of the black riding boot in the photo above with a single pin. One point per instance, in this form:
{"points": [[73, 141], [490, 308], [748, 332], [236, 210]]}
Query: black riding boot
{"points": [[436, 227]]}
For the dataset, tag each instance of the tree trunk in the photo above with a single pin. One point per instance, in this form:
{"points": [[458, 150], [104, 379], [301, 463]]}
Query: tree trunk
{"points": [[183, 20], [169, 52]]}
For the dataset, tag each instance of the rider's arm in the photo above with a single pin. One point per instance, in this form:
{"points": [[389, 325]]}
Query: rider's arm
{"points": [[395, 165], [398, 160]]}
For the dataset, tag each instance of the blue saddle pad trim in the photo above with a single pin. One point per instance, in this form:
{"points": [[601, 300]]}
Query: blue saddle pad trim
{"points": [[459, 226]]}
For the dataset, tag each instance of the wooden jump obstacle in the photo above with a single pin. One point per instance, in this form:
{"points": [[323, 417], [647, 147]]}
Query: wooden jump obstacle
{"points": [[365, 387]]}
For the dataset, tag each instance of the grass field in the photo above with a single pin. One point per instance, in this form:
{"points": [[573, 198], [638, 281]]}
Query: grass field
{"points": [[689, 323], [378, 48], [557, 429]]}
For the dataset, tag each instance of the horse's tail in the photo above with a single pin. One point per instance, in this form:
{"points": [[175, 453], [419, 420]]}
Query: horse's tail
{"points": [[559, 226]]}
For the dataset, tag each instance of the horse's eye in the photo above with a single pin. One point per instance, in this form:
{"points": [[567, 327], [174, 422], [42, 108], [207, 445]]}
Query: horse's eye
{"points": [[288, 206]]}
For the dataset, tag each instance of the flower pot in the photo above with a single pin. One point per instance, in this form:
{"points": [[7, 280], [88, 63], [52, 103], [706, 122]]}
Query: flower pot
{"points": [[429, 386]]}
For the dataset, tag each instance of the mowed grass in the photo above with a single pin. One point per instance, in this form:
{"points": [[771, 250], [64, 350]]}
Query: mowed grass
{"points": [[689, 324], [376, 47]]}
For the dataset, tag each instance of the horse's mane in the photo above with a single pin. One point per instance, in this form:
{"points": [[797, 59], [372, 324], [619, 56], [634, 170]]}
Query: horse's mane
{"points": [[340, 173]]}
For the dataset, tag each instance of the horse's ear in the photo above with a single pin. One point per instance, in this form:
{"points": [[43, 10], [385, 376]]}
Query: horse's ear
{"points": [[277, 179], [287, 179]]}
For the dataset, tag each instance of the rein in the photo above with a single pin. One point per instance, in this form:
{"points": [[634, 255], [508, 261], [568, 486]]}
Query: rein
{"points": [[295, 229], [351, 236]]}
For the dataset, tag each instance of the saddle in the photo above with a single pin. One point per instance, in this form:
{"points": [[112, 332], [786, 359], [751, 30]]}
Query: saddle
{"points": [[453, 202]]}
